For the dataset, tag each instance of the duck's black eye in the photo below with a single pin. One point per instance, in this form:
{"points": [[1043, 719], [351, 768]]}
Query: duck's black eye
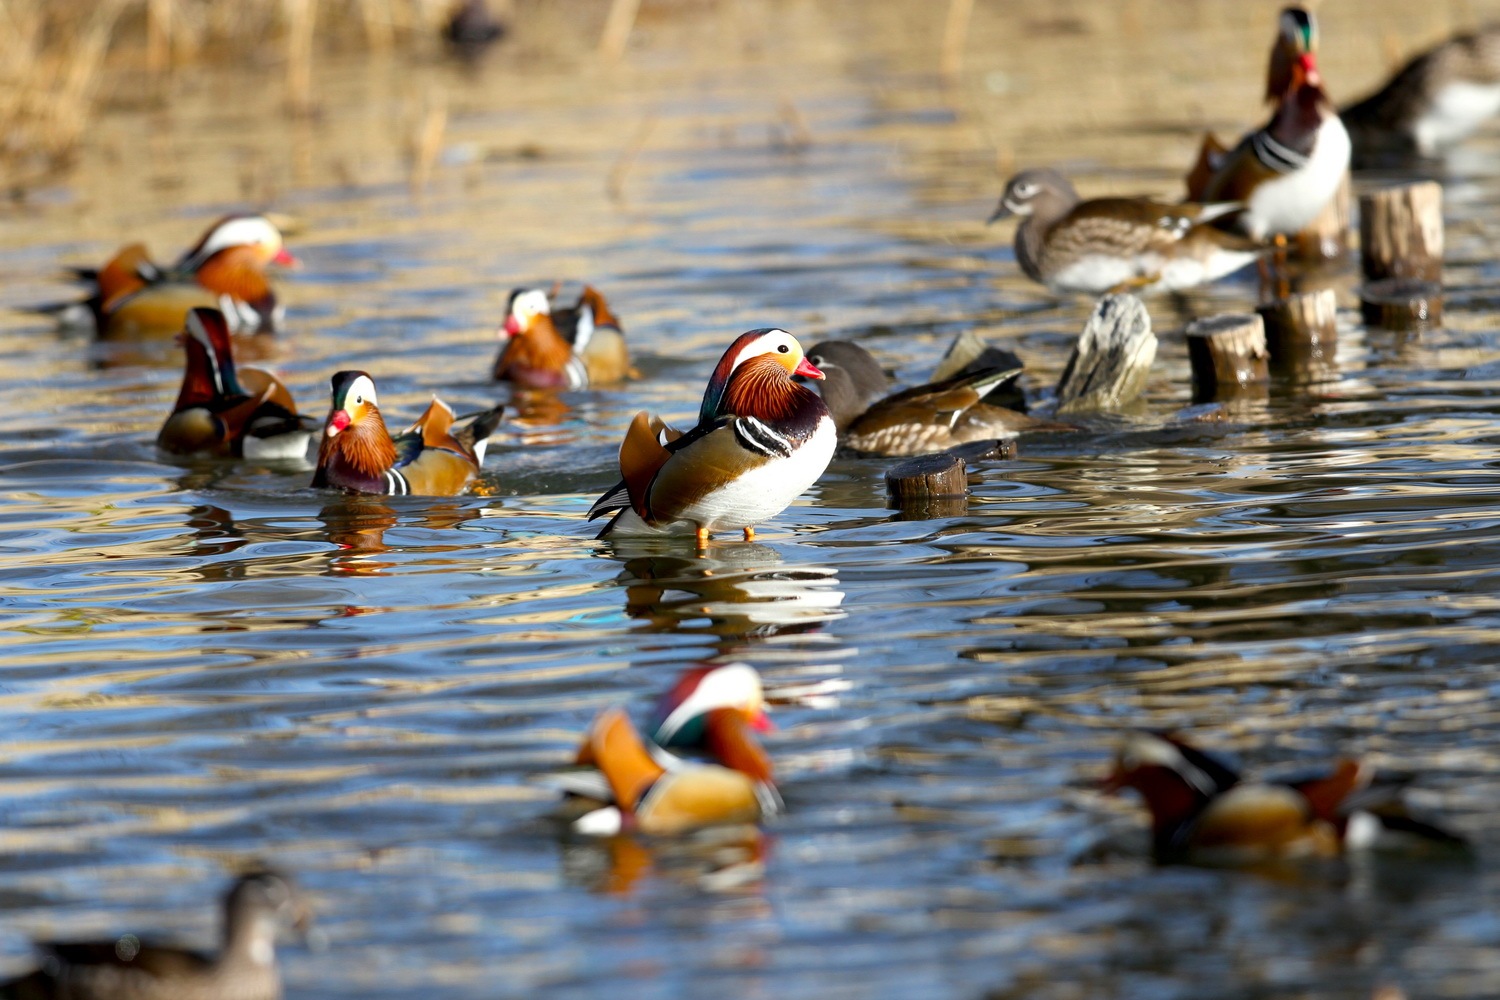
{"points": [[783, 348], [816, 361]]}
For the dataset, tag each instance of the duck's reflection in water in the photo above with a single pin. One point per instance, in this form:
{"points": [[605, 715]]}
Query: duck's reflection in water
{"points": [[739, 589], [717, 859], [357, 524]]}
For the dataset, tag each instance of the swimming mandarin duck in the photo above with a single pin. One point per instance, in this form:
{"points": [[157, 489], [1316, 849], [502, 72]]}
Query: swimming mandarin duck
{"points": [[133, 297], [1112, 244], [760, 441], [713, 711], [1202, 812], [429, 458], [1286, 172], [245, 968], [566, 339], [226, 411], [917, 421], [654, 797], [1432, 102]]}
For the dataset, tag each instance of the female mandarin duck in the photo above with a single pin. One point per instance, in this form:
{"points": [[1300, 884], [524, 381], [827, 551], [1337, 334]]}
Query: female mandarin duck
{"points": [[1110, 244], [761, 440], [229, 412], [568, 339], [917, 421], [226, 269], [245, 968], [427, 459], [1201, 811], [713, 711], [1286, 172]]}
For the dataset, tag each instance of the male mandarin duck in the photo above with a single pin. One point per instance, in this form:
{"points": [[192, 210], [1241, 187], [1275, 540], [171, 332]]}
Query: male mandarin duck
{"points": [[1110, 244], [124, 968], [917, 421], [1286, 172], [429, 458], [566, 339], [133, 297], [1432, 102], [712, 710], [226, 411], [761, 440], [1201, 811]]}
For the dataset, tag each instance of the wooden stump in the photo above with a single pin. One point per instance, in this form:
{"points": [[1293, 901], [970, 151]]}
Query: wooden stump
{"points": [[1401, 232], [1401, 303], [1328, 236], [929, 486], [1112, 358], [1302, 334], [1228, 356]]}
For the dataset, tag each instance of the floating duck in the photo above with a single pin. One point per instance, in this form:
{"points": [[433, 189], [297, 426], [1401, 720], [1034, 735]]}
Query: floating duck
{"points": [[226, 411], [1431, 103], [429, 458], [653, 797], [714, 711], [1202, 812], [568, 339], [135, 298], [1286, 172], [244, 969], [761, 440], [1115, 244], [916, 421]]}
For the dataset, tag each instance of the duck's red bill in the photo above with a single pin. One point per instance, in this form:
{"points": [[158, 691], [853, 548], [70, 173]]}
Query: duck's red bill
{"points": [[285, 258], [804, 367], [337, 421], [761, 722]]}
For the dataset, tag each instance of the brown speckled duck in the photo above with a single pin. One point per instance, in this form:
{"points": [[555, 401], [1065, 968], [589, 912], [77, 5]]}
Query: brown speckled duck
{"points": [[245, 968]]}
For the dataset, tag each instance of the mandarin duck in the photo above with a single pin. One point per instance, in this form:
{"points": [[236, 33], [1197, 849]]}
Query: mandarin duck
{"points": [[656, 796], [429, 458], [1432, 102], [712, 711], [134, 298], [1112, 244], [225, 411], [916, 421], [1202, 812], [566, 339], [1286, 172], [760, 441], [245, 968]]}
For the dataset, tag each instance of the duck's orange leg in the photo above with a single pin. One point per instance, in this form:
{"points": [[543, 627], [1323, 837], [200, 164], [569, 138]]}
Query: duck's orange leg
{"points": [[749, 533]]}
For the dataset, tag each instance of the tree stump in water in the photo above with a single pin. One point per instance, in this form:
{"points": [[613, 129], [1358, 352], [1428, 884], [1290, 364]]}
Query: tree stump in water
{"points": [[1302, 334], [1401, 232], [1401, 303], [1228, 356], [1112, 358], [929, 486]]}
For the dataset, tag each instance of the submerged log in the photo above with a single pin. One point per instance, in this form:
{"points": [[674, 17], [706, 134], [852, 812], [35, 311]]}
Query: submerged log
{"points": [[1228, 356], [1401, 303], [1401, 232], [1302, 334], [1112, 358]]}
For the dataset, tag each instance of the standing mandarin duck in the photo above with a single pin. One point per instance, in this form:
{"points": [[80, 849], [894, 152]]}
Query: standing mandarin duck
{"points": [[1286, 172], [568, 339], [760, 442], [135, 298], [429, 458], [1201, 811], [917, 421], [1112, 244], [229, 412], [245, 968], [712, 711], [1432, 102]]}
